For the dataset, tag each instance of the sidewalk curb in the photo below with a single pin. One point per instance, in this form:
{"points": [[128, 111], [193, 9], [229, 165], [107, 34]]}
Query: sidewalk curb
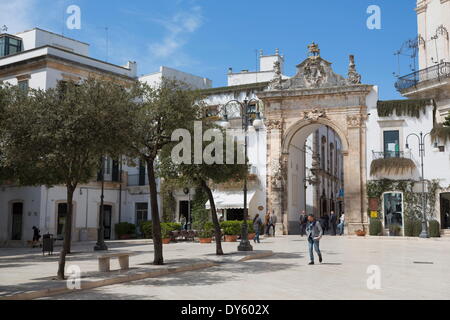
{"points": [[107, 282], [124, 278], [399, 238], [257, 256]]}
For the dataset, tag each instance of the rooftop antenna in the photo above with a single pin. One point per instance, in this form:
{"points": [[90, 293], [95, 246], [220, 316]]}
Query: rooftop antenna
{"points": [[409, 49], [63, 21], [256, 69], [107, 43]]}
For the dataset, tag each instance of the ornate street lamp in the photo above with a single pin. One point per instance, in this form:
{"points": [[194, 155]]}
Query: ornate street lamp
{"points": [[421, 137], [101, 245], [246, 114]]}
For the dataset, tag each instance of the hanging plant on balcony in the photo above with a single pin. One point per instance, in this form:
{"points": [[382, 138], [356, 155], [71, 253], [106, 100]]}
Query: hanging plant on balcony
{"points": [[391, 166], [410, 107], [441, 132]]}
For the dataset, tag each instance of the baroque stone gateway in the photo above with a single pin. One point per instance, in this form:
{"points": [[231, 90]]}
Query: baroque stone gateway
{"points": [[314, 96]]}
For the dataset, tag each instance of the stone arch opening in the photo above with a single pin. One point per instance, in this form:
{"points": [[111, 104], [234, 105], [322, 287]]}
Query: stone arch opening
{"points": [[313, 174]]}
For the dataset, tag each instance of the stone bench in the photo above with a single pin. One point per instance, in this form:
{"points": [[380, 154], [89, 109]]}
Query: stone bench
{"points": [[104, 261]]}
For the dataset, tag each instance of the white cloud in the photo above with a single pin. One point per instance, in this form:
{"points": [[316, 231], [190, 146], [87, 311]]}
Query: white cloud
{"points": [[178, 28], [18, 15]]}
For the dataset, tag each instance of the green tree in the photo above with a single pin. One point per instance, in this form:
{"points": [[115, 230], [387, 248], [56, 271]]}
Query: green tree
{"points": [[447, 121], [57, 136], [162, 110], [205, 175]]}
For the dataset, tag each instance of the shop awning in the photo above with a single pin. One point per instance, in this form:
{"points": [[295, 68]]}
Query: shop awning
{"points": [[231, 199]]}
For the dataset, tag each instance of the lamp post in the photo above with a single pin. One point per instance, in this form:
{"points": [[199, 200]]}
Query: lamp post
{"points": [[101, 245], [245, 114], [421, 137]]}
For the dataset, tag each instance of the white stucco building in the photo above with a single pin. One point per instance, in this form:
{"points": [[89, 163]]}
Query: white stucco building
{"points": [[391, 122], [39, 59]]}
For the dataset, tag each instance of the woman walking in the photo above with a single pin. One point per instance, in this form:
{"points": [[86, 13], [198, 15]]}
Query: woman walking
{"points": [[257, 222]]}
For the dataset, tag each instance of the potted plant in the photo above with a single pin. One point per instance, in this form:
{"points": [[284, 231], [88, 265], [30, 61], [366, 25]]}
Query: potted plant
{"points": [[206, 233], [251, 230], [125, 230], [231, 230], [165, 233]]}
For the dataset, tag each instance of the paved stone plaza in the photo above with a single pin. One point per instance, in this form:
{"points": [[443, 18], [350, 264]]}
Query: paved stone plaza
{"points": [[410, 269]]}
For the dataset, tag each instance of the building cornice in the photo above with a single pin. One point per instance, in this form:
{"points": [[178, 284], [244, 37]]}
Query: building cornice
{"points": [[53, 61]]}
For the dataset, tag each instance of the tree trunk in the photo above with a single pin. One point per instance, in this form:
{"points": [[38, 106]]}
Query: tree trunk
{"points": [[67, 234], [219, 250], [156, 222]]}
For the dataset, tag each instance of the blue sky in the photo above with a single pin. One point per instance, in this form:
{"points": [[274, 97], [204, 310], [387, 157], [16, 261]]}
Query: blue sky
{"points": [[205, 37]]}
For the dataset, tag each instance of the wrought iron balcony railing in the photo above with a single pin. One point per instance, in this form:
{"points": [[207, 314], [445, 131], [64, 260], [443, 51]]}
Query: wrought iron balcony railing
{"points": [[391, 154], [437, 72]]}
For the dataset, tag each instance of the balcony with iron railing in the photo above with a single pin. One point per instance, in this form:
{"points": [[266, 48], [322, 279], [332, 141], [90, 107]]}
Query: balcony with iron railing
{"points": [[392, 163], [438, 72]]}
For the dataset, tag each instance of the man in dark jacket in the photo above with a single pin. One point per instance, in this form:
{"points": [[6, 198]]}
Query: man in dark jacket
{"points": [[333, 222], [314, 232]]}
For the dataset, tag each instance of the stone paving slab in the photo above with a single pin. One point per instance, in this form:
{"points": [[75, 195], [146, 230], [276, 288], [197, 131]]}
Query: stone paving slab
{"points": [[286, 274], [26, 274]]}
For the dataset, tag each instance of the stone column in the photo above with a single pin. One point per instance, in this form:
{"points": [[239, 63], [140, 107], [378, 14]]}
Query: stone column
{"points": [[275, 172], [354, 175]]}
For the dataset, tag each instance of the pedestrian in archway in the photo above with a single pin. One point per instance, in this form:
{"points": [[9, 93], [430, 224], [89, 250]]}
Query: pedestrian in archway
{"points": [[272, 222], [257, 222], [303, 221], [340, 226], [267, 223], [333, 223], [314, 232]]}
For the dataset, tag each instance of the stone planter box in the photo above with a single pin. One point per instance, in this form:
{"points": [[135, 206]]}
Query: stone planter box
{"points": [[251, 236], [205, 240], [166, 241]]}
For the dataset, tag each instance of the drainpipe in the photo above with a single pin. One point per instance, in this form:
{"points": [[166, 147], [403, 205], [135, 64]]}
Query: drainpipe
{"points": [[120, 190]]}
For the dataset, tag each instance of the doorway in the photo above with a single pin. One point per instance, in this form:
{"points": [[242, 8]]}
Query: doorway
{"points": [[185, 212], [107, 215], [141, 215], [17, 221], [61, 220], [235, 214], [445, 210]]}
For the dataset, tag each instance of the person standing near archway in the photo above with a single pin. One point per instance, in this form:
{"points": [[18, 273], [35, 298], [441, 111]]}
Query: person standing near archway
{"points": [[314, 233], [272, 222]]}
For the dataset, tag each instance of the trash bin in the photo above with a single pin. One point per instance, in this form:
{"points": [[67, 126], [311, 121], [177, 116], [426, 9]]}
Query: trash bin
{"points": [[84, 235], [47, 244]]}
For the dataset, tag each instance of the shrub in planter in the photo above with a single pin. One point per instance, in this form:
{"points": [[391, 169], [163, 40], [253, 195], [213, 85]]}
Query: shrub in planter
{"points": [[434, 229], [231, 228], [146, 228], [413, 227], [165, 233], [395, 230], [125, 229], [375, 227], [207, 231]]}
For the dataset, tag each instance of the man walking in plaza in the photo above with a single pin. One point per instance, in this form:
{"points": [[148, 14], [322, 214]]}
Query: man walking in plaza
{"points": [[272, 222], [314, 232]]}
